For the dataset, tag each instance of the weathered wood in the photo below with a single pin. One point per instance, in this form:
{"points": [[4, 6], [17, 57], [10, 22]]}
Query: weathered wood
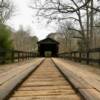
{"points": [[14, 72], [86, 85], [14, 55], [87, 58], [10, 84], [90, 94], [46, 83], [77, 81], [60, 97]]}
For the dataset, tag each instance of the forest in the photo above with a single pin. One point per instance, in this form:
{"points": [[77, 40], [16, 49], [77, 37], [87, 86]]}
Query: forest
{"points": [[9, 38], [78, 24]]}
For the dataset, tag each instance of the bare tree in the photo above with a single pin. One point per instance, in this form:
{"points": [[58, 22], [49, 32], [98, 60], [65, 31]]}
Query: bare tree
{"points": [[23, 41], [6, 10], [79, 12]]}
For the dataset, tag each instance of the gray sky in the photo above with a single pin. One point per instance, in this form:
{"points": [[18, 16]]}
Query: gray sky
{"points": [[23, 16]]}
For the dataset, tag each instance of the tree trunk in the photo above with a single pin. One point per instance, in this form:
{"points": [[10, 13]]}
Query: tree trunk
{"points": [[91, 25]]}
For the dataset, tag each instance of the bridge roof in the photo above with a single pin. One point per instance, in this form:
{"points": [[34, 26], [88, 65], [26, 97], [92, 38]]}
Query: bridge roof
{"points": [[48, 41]]}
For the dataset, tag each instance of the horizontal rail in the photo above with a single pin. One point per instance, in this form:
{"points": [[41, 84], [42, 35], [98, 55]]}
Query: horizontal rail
{"points": [[7, 55], [90, 56]]}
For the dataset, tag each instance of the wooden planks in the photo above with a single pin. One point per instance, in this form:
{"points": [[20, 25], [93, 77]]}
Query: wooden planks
{"points": [[84, 85], [60, 97], [10, 84], [46, 83], [4, 77], [90, 94]]}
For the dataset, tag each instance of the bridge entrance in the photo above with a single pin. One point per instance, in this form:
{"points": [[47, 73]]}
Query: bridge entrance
{"points": [[48, 47]]}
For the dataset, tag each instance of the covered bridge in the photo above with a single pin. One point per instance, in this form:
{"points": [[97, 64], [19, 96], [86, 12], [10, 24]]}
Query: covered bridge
{"points": [[48, 45]]}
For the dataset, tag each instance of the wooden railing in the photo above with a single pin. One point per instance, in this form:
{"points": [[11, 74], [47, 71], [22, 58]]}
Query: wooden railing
{"points": [[90, 56], [8, 55]]}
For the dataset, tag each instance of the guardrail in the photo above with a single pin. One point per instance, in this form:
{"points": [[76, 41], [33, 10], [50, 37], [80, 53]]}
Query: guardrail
{"points": [[8, 55], [90, 56]]}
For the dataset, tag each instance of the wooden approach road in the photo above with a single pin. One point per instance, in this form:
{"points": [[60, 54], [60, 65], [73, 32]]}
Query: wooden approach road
{"points": [[49, 79], [45, 83]]}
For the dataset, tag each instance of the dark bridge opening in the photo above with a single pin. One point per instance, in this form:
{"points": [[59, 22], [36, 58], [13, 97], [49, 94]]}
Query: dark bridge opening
{"points": [[48, 46]]}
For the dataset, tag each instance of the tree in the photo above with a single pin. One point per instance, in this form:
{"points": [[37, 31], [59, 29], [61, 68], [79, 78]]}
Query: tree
{"points": [[23, 41], [6, 10], [79, 12], [60, 38], [5, 37], [71, 36], [34, 46]]}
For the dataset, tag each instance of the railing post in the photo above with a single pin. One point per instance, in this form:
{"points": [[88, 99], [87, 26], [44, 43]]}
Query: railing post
{"points": [[18, 56], [80, 56], [3, 57], [12, 56], [27, 55], [30, 54], [71, 55], [99, 58], [22, 56], [88, 58], [74, 56]]}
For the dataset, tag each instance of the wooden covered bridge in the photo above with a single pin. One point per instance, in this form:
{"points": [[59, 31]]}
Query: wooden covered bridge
{"points": [[50, 78], [48, 45]]}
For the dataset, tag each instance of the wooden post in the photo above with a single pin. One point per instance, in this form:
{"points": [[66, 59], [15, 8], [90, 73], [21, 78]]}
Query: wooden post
{"points": [[75, 56], [88, 54], [3, 57], [27, 55], [18, 56], [99, 58], [80, 56], [22, 56], [31, 54], [12, 56]]}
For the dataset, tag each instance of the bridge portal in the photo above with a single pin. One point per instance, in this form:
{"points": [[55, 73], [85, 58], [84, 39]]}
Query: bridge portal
{"points": [[48, 45]]}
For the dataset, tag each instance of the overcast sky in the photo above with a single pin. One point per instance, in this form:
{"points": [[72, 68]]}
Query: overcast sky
{"points": [[23, 16]]}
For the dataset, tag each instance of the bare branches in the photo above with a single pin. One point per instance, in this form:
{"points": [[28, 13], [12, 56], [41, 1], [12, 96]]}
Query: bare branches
{"points": [[6, 10], [97, 9], [79, 12]]}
